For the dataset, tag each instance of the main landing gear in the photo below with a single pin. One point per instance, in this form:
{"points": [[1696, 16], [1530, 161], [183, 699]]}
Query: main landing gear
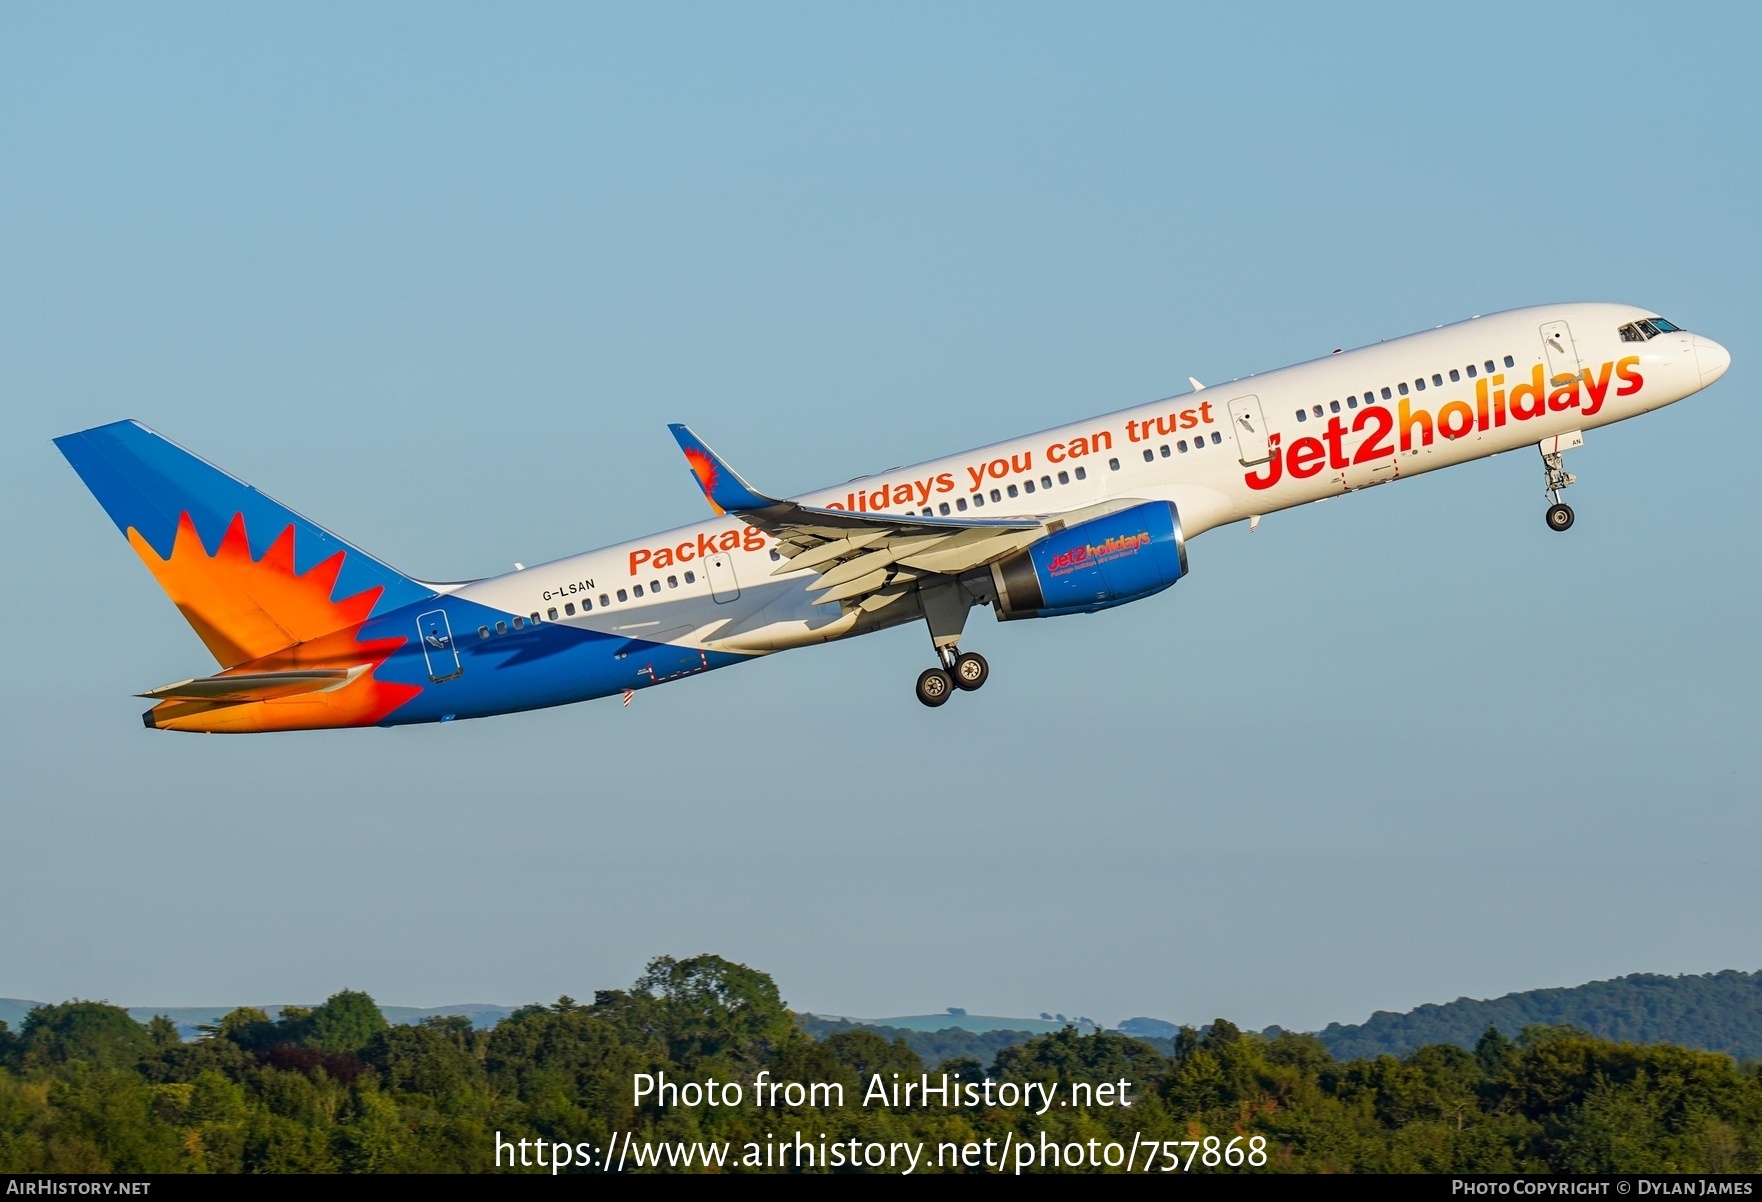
{"points": [[965, 671], [945, 609]]}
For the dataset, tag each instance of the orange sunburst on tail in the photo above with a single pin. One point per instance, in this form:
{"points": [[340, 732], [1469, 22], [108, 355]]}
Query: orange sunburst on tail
{"points": [[704, 468], [260, 615]]}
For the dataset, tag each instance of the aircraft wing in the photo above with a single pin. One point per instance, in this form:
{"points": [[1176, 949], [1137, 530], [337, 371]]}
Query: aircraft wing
{"points": [[867, 560]]}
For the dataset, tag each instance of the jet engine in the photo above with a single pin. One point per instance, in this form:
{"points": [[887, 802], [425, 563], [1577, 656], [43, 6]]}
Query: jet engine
{"points": [[1097, 564]]}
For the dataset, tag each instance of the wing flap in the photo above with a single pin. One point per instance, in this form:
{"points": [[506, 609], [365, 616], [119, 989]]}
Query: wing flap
{"points": [[864, 560]]}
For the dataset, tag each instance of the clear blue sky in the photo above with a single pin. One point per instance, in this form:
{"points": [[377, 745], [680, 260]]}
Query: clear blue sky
{"points": [[438, 275]]}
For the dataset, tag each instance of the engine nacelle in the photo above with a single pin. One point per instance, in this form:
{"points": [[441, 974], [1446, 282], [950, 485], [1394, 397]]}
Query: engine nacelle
{"points": [[1094, 565]]}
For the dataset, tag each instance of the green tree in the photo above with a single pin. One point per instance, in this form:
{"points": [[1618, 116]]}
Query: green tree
{"points": [[92, 1033], [347, 1022], [711, 1007]]}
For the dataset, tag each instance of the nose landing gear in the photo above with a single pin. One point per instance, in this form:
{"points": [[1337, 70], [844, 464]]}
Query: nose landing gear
{"points": [[1553, 450]]}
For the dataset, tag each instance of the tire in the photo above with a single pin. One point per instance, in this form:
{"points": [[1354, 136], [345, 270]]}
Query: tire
{"points": [[971, 672], [935, 687], [1560, 517]]}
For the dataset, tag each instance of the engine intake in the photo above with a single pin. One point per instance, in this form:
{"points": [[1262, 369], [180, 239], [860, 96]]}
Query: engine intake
{"points": [[1094, 565]]}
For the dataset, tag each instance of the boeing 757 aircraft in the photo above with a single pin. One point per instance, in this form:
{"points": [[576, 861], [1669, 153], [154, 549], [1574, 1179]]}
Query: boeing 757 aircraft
{"points": [[310, 631]]}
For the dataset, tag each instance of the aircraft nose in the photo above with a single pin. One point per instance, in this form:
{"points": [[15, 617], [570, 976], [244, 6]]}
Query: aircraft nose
{"points": [[1711, 358]]}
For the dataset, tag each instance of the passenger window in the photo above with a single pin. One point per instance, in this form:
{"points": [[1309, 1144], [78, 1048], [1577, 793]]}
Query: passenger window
{"points": [[1149, 454], [635, 588], [1510, 362], [1318, 410], [1471, 371], [1065, 477], [483, 632], [518, 623], [1165, 450], [1352, 401], [1333, 406], [1455, 376], [943, 509], [690, 578], [1081, 474], [551, 615], [502, 627], [1012, 490], [1437, 380], [587, 602], [978, 500], [673, 581], [654, 586], [776, 557], [1303, 415], [1027, 486], [1181, 446], [997, 496], [1401, 388], [605, 600], [1386, 393], [1046, 482], [1216, 438], [1419, 384], [926, 512], [1490, 367], [1113, 465], [569, 609], [960, 503], [623, 596]]}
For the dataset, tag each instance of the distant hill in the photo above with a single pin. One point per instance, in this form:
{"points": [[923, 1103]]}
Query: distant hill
{"points": [[932, 1047], [977, 1023], [190, 1018], [1717, 1012]]}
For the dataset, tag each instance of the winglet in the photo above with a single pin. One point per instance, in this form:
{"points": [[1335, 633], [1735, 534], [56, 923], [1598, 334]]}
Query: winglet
{"points": [[722, 485]]}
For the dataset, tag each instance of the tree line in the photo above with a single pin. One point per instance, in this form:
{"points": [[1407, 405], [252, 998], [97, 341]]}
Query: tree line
{"points": [[335, 1088]]}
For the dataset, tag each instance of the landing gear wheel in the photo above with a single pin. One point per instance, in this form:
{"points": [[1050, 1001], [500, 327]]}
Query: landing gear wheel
{"points": [[1560, 517], [935, 687], [971, 671]]}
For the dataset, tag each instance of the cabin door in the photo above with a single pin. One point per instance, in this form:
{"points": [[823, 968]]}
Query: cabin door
{"points": [[1250, 429], [1562, 354], [437, 646], [723, 586]]}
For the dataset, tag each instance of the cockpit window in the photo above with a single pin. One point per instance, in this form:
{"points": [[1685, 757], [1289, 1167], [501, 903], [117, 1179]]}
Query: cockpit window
{"points": [[1647, 328]]}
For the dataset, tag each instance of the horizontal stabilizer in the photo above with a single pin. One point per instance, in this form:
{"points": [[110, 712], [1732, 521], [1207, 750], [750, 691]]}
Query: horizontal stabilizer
{"points": [[251, 686]]}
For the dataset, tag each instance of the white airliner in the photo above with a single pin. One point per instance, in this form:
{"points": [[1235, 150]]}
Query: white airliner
{"points": [[311, 632]]}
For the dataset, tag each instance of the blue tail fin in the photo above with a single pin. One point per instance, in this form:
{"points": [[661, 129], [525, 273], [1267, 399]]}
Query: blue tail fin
{"points": [[174, 505]]}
